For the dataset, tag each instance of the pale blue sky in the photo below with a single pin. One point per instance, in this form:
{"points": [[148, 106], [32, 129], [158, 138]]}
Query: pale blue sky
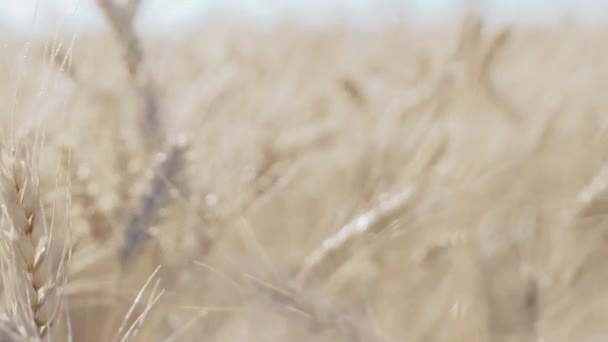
{"points": [[165, 14]]}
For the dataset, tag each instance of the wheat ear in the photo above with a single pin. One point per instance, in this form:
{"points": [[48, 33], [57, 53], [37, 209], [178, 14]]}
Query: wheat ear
{"points": [[334, 250], [165, 174], [27, 241], [121, 19], [593, 198]]}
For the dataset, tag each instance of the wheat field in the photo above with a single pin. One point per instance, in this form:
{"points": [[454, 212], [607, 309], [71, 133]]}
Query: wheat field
{"points": [[244, 183]]}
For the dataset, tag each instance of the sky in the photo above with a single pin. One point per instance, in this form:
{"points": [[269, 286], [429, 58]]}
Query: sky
{"points": [[167, 15]]}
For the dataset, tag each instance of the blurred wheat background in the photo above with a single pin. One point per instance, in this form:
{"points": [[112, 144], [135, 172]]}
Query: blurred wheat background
{"points": [[291, 182]]}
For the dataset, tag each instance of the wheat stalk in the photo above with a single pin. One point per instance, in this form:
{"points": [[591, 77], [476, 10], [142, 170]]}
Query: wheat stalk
{"points": [[468, 320], [27, 243], [321, 315]]}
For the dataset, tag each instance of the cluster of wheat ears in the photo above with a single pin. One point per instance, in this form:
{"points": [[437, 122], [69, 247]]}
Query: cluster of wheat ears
{"points": [[296, 184]]}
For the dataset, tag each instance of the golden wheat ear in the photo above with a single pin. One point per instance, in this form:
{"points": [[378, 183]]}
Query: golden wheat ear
{"points": [[28, 273]]}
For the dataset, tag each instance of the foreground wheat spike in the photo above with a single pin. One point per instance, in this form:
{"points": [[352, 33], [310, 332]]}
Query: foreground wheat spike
{"points": [[164, 176], [28, 271]]}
